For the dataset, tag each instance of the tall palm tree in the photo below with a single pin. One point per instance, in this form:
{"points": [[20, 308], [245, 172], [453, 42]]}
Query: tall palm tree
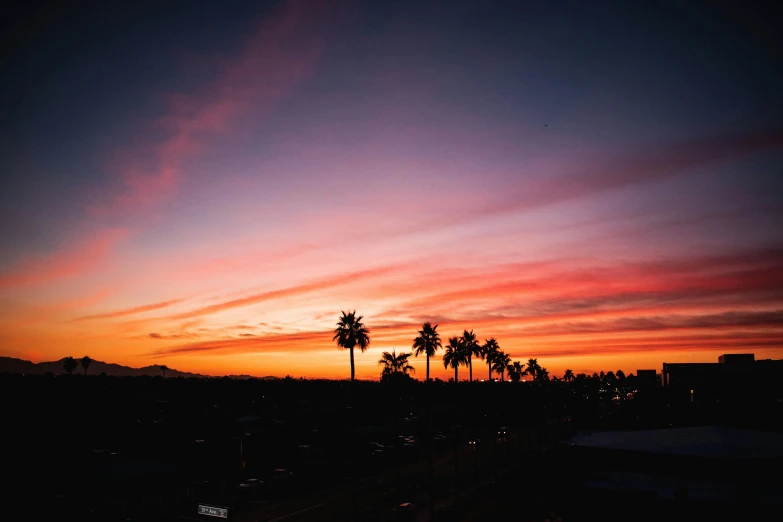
{"points": [[393, 363], [427, 342], [163, 368], [568, 376], [453, 356], [516, 370], [85, 363], [471, 348], [350, 333], [69, 365], [542, 375], [488, 353], [500, 362], [533, 368]]}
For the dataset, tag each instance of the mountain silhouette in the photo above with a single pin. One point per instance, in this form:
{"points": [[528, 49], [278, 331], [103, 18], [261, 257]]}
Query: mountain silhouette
{"points": [[13, 365]]}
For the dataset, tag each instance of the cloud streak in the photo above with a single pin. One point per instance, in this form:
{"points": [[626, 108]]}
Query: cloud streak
{"points": [[130, 311], [70, 261], [280, 54], [306, 288]]}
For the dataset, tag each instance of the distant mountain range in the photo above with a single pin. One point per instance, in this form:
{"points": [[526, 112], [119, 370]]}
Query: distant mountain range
{"points": [[13, 365]]}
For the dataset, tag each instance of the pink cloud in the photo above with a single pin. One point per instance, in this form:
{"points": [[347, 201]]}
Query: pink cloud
{"points": [[130, 311], [69, 261], [313, 286], [280, 54], [640, 167]]}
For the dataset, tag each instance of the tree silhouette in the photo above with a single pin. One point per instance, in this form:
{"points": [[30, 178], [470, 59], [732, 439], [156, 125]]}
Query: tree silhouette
{"points": [[453, 356], [620, 375], [351, 332], [500, 362], [427, 342], [163, 368], [393, 363], [488, 353], [568, 376], [542, 375], [516, 370], [471, 348], [69, 365], [533, 368], [85, 363]]}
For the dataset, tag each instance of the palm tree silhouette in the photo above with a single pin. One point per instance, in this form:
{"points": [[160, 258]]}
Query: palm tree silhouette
{"points": [[85, 363], [568, 376], [533, 368], [427, 342], [453, 356], [163, 368], [488, 353], [393, 363], [351, 332], [69, 365], [471, 348], [542, 375], [500, 362], [516, 370]]}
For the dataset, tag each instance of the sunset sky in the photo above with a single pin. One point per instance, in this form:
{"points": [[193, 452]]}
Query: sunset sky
{"points": [[207, 184]]}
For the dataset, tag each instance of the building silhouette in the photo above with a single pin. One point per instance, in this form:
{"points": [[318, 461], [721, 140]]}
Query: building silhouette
{"points": [[737, 385]]}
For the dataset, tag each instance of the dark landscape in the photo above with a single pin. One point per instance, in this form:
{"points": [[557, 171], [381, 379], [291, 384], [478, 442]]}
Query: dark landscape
{"points": [[99, 447]]}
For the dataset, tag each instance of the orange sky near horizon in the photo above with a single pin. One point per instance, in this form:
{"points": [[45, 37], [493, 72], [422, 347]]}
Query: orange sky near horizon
{"points": [[218, 216], [606, 317]]}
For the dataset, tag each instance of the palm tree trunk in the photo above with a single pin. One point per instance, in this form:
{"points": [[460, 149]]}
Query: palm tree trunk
{"points": [[470, 367], [428, 368], [353, 368], [456, 378], [490, 371]]}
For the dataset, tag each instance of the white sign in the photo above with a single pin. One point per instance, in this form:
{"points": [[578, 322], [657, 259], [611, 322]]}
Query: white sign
{"points": [[212, 511]]}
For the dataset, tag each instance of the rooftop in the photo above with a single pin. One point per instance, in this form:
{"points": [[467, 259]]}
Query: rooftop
{"points": [[703, 441]]}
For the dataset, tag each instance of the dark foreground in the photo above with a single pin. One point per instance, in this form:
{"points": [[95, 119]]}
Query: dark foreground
{"points": [[103, 448]]}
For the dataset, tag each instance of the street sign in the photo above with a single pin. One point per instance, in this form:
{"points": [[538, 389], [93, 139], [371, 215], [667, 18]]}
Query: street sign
{"points": [[212, 511]]}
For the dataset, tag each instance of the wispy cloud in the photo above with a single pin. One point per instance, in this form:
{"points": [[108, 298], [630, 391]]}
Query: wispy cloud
{"points": [[314, 286], [281, 53], [186, 335], [69, 261], [130, 311], [621, 170], [725, 320], [266, 343]]}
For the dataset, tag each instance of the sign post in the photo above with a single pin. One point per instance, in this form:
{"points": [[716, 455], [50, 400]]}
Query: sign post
{"points": [[212, 511]]}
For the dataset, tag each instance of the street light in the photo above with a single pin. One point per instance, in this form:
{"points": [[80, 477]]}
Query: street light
{"points": [[242, 450]]}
